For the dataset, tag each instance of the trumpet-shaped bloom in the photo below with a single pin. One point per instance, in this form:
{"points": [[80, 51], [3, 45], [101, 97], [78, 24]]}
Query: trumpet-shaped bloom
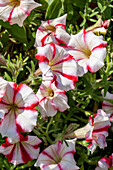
{"points": [[51, 99], [52, 31], [105, 163], [89, 50], [17, 110], [3, 84], [97, 133], [56, 64], [16, 11], [20, 149], [58, 157], [107, 106], [99, 27]]}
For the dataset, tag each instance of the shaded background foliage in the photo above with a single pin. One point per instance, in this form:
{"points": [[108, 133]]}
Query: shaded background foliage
{"points": [[17, 49]]}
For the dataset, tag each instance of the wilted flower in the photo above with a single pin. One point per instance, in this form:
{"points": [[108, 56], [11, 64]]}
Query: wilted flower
{"points": [[89, 50], [17, 111], [105, 163], [51, 99], [16, 11], [3, 84], [107, 106], [52, 31], [20, 149], [58, 156], [57, 65]]}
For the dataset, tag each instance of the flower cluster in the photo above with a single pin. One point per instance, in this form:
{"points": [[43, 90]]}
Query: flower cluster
{"points": [[62, 59]]}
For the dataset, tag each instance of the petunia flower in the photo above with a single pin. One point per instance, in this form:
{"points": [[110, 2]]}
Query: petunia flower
{"points": [[52, 31], [51, 99], [55, 63], [20, 149], [58, 157], [98, 132], [107, 106], [16, 11], [94, 132], [105, 163], [89, 50], [17, 110], [3, 84], [99, 27]]}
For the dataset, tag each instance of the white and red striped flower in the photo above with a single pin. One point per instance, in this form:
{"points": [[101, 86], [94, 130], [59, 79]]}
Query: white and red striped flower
{"points": [[99, 27], [51, 99], [56, 64], [105, 163], [107, 106], [58, 157], [3, 85], [97, 133], [17, 108], [16, 11], [89, 50], [20, 149], [52, 31]]}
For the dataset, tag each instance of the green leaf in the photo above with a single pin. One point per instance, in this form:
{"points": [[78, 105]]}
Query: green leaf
{"points": [[54, 10], [79, 3], [19, 33], [7, 76]]}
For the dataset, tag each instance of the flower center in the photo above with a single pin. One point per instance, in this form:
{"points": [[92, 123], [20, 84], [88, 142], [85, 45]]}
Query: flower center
{"points": [[51, 28], [14, 2], [13, 107], [50, 92], [87, 53]]}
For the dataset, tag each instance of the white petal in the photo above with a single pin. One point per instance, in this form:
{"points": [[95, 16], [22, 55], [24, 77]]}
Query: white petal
{"points": [[27, 119]]}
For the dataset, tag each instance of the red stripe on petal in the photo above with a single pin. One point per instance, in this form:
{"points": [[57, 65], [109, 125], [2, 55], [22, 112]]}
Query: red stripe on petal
{"points": [[60, 42], [57, 25], [53, 47], [6, 144], [101, 129], [9, 18], [42, 99], [69, 152], [111, 116], [15, 91], [64, 60], [70, 77], [4, 103], [59, 166], [90, 69], [44, 38], [45, 153], [108, 105], [22, 138], [41, 58], [27, 13], [100, 46], [10, 155], [84, 34], [25, 156]]}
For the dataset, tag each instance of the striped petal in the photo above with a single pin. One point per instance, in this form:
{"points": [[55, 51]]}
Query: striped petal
{"points": [[3, 84], [52, 31], [58, 156], [88, 49], [16, 11], [51, 99], [22, 150], [99, 130], [59, 64]]}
